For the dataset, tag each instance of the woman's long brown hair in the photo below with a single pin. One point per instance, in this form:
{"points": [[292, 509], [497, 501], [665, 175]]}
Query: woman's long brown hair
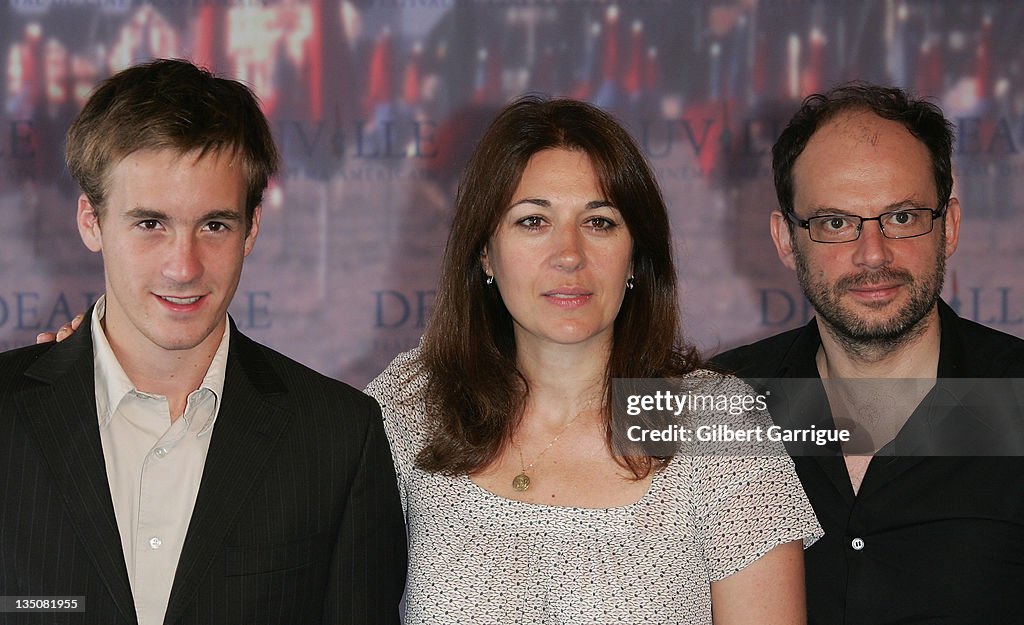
{"points": [[476, 393]]}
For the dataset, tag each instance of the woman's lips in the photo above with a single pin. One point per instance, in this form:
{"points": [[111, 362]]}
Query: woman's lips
{"points": [[568, 297]]}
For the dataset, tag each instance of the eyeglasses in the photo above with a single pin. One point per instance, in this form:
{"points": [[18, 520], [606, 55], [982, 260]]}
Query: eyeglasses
{"points": [[899, 224]]}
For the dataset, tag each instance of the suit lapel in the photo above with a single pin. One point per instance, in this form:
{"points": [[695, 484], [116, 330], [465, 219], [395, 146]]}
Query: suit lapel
{"points": [[245, 438], [65, 424]]}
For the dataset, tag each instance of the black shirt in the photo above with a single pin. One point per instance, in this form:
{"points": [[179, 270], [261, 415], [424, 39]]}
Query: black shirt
{"points": [[926, 540]]}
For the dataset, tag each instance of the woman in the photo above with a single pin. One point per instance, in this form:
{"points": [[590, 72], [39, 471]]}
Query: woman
{"points": [[558, 278]]}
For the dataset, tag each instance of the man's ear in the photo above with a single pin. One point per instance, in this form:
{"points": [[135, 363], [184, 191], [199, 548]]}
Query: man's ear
{"points": [[254, 230], [89, 224], [782, 236], [952, 225]]}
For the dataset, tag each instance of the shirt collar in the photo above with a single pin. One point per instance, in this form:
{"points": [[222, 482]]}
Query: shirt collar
{"points": [[950, 345], [800, 362], [112, 383]]}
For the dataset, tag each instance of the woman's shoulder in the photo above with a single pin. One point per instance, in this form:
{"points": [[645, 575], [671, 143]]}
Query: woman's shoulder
{"points": [[724, 414], [400, 390], [403, 377], [712, 391], [709, 379]]}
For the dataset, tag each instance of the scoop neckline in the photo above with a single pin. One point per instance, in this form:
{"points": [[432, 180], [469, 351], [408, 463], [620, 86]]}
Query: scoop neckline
{"points": [[655, 482]]}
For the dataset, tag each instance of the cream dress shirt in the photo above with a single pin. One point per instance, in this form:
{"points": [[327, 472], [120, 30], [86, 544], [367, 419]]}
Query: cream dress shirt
{"points": [[153, 467]]}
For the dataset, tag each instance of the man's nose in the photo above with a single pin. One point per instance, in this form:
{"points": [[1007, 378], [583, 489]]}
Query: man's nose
{"points": [[183, 263], [873, 249]]}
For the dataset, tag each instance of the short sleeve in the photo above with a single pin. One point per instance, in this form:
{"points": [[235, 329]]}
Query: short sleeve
{"points": [[399, 390], [745, 505]]}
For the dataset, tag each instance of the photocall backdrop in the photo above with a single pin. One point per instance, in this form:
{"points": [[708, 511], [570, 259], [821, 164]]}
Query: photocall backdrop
{"points": [[376, 105]]}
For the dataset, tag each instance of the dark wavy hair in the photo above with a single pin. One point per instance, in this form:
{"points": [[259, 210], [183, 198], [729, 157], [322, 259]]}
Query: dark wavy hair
{"points": [[922, 119], [476, 393], [170, 104]]}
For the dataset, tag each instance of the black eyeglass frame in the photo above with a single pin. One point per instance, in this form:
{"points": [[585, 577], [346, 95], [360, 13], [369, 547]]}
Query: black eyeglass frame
{"points": [[806, 223]]}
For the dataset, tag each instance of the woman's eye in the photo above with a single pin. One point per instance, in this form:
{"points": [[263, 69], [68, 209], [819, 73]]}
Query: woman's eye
{"points": [[601, 223], [531, 223]]}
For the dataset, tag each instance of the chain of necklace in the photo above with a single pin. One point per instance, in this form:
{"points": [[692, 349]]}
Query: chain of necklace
{"points": [[521, 482]]}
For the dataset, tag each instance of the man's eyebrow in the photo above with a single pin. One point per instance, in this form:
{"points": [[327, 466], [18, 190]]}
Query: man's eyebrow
{"points": [[907, 203], [222, 215], [895, 206], [141, 213], [828, 210]]}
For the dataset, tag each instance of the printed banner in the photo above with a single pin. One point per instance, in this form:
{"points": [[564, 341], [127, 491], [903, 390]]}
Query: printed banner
{"points": [[376, 105]]}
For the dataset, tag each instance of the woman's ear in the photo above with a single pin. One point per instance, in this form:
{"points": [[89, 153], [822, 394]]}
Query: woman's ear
{"points": [[485, 262]]}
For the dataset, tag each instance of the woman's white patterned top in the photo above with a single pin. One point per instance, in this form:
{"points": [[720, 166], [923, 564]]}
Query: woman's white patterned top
{"points": [[475, 557]]}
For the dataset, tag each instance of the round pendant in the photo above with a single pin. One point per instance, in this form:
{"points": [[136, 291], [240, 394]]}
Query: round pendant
{"points": [[521, 482]]}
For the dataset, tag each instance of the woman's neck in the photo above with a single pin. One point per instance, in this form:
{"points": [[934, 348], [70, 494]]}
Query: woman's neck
{"points": [[564, 380]]}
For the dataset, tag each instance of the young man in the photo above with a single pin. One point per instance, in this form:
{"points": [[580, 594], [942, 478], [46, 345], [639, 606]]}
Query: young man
{"points": [[867, 221], [158, 464]]}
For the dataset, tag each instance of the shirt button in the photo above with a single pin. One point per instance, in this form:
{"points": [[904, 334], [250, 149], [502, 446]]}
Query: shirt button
{"points": [[154, 543], [857, 544], [160, 452]]}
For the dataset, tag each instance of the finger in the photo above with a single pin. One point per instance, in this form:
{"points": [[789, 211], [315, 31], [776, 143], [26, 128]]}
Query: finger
{"points": [[45, 337], [64, 332], [77, 321]]}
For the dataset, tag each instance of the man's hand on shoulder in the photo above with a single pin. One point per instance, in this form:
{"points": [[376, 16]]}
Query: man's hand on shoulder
{"points": [[62, 333]]}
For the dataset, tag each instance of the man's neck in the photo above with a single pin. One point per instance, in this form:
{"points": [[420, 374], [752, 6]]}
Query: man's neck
{"points": [[915, 357], [173, 374], [876, 414]]}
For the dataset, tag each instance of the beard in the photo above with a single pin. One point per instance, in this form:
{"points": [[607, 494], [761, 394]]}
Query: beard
{"points": [[863, 335]]}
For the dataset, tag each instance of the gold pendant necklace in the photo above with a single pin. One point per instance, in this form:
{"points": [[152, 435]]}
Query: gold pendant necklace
{"points": [[521, 482]]}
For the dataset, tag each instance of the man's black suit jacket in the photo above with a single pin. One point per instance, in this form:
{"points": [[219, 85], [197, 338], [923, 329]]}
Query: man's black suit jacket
{"points": [[297, 519], [942, 538]]}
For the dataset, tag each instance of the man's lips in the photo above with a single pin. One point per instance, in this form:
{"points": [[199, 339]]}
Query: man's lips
{"points": [[181, 302], [875, 286], [877, 291]]}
